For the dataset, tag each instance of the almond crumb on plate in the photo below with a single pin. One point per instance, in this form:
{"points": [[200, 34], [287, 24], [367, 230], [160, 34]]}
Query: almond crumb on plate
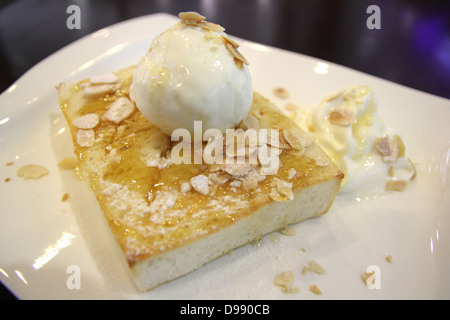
{"points": [[368, 278], [32, 171], [68, 163], [315, 289], [281, 92], [315, 267], [288, 231], [285, 281], [64, 197]]}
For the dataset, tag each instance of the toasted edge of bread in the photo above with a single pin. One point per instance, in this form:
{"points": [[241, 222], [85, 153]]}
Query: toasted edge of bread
{"points": [[307, 203]]}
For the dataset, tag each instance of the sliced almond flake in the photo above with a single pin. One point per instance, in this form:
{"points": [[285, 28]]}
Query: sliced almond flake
{"points": [[317, 157], [315, 267], [298, 139], [218, 178], [191, 16], [402, 169], [383, 146], [185, 187], [268, 170], [251, 122], [368, 278], [119, 110], [32, 171], [291, 173], [88, 121], [210, 26], [396, 185], [397, 149], [236, 53], [291, 107], [281, 92], [237, 170], [200, 184], [315, 289], [68, 163], [342, 117], [85, 137], [99, 89], [251, 180], [104, 78], [230, 41]]}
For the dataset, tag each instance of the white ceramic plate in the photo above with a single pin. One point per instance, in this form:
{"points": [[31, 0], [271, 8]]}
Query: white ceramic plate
{"points": [[46, 244]]}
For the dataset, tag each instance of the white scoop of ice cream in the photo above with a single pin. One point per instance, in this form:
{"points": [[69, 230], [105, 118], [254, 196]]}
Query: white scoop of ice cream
{"points": [[348, 128], [190, 74]]}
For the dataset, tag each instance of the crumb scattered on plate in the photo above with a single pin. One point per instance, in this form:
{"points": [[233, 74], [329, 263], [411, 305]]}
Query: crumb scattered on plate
{"points": [[64, 197], [315, 289], [315, 267], [281, 92], [32, 171], [68, 163], [285, 281], [368, 278]]}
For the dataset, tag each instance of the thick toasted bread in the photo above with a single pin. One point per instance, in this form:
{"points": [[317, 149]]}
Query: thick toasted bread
{"points": [[170, 219]]}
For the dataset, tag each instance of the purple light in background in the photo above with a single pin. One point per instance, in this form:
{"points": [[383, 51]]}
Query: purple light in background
{"points": [[432, 38]]}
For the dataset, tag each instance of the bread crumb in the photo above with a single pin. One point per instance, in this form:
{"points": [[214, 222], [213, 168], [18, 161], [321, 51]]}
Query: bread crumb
{"points": [[288, 231], [291, 107], [315, 289], [32, 171], [281, 92], [68, 163], [388, 258], [64, 197], [396, 185], [285, 281], [7, 179], [9, 163], [304, 270]]}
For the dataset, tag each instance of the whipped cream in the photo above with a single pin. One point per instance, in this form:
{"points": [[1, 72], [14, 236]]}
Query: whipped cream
{"points": [[370, 154], [192, 72]]}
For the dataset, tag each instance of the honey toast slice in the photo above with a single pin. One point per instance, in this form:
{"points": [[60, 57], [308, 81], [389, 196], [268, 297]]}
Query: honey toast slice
{"points": [[169, 219]]}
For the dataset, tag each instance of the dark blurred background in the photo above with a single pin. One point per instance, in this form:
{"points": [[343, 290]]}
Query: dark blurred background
{"points": [[411, 48]]}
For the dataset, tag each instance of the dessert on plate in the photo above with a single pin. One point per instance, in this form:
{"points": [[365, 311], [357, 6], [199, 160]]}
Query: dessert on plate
{"points": [[372, 156], [169, 212]]}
